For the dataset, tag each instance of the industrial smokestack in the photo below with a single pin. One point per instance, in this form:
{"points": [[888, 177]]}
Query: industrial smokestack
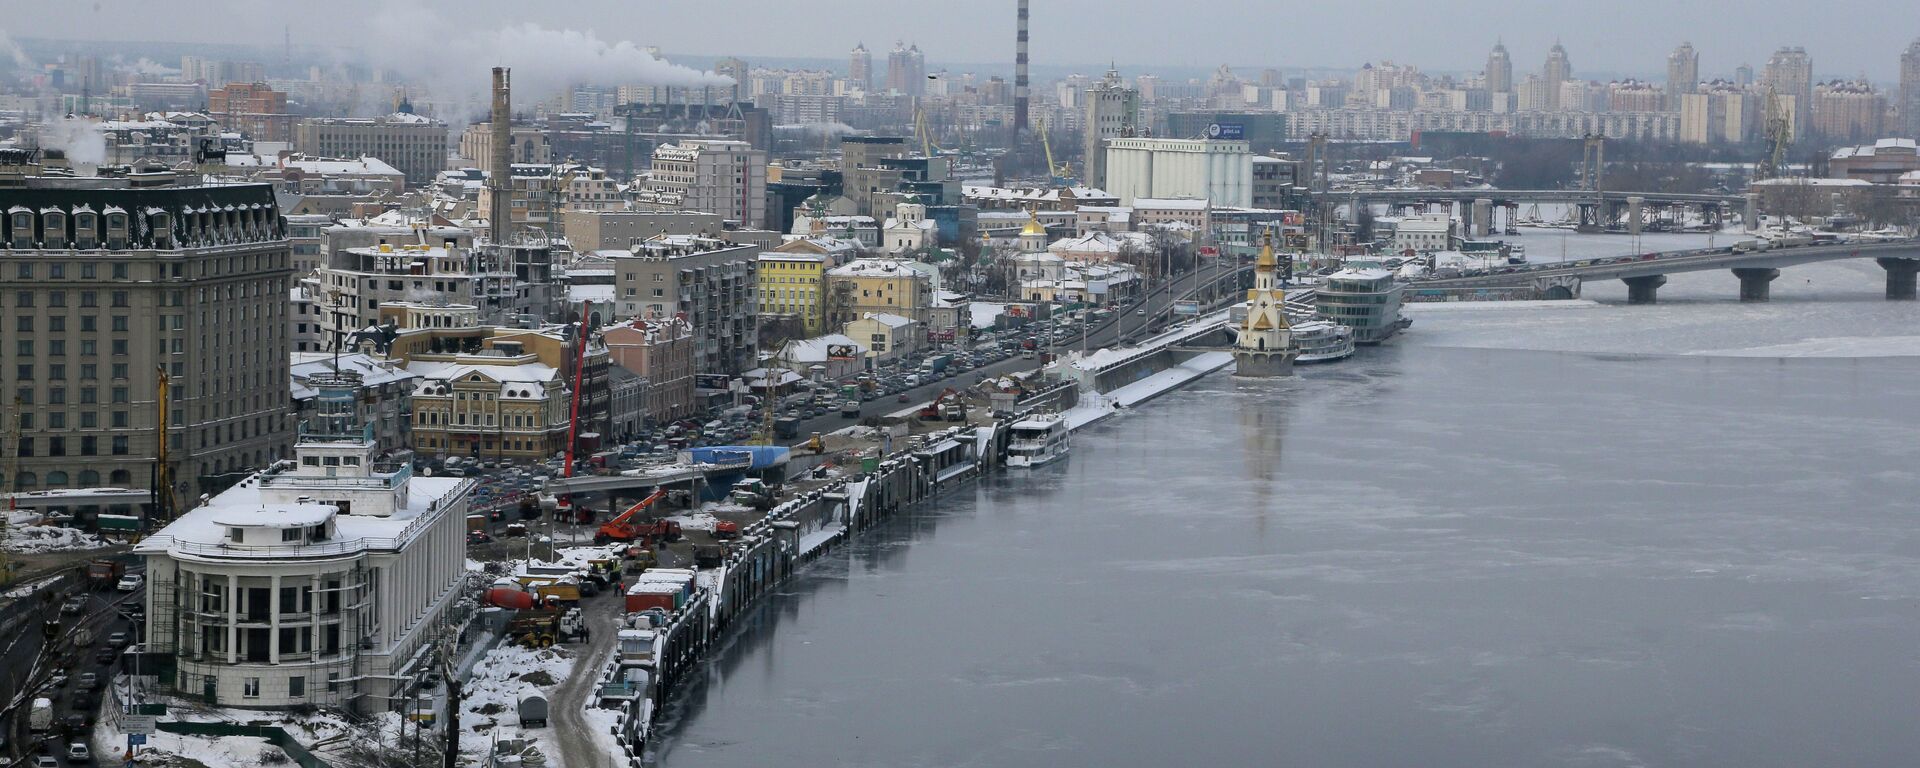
{"points": [[500, 166], [1020, 76]]}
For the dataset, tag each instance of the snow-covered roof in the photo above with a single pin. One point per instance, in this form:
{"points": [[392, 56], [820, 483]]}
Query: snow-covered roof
{"points": [[1360, 274], [244, 504], [1170, 203], [879, 268], [814, 350], [598, 294], [1811, 181], [1908, 147], [888, 319]]}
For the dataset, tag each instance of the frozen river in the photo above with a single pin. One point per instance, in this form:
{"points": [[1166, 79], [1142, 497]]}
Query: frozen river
{"points": [[1595, 535]]}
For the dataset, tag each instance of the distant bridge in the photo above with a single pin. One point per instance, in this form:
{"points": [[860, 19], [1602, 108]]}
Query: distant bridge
{"points": [[1595, 209], [1645, 273]]}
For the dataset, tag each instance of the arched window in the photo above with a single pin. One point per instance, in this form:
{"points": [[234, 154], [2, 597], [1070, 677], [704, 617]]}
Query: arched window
{"points": [[56, 478], [26, 481], [120, 477], [22, 230], [89, 478]]}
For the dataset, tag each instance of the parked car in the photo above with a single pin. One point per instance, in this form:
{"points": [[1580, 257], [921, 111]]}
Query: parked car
{"points": [[89, 681], [117, 640], [44, 760]]}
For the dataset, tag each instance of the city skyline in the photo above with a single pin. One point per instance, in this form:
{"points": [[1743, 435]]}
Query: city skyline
{"points": [[1073, 34]]}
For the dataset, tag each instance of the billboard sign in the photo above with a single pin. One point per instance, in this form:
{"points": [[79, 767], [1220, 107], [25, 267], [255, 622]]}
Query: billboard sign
{"points": [[842, 351], [1226, 131], [1186, 308]]}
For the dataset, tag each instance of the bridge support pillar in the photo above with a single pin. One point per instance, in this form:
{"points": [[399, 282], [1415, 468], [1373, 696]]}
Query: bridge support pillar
{"points": [[1642, 290], [1750, 215], [1482, 223], [1636, 214], [1755, 282], [1901, 275]]}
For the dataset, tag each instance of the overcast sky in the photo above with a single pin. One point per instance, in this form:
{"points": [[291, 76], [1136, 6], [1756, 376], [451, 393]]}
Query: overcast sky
{"points": [[1844, 37]]}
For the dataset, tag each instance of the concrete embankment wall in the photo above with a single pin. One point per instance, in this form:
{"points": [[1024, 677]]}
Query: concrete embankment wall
{"points": [[793, 534]]}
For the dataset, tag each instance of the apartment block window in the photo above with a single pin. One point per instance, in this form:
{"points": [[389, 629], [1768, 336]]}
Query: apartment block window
{"points": [[89, 323], [23, 372], [23, 299], [56, 446], [120, 347], [89, 445], [119, 370], [120, 299], [89, 299], [120, 445], [23, 347], [23, 323], [120, 419], [56, 298], [297, 686], [250, 688], [119, 270], [57, 323], [26, 271], [89, 395], [120, 323], [57, 347], [55, 420]]}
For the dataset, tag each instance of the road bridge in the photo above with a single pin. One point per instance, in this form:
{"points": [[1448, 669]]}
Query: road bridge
{"points": [[1645, 273], [1596, 210]]}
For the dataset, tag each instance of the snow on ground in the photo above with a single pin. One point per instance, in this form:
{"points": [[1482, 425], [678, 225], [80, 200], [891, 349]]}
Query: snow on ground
{"points": [[29, 539], [985, 313], [1094, 407], [695, 521], [508, 674], [28, 589], [320, 731]]}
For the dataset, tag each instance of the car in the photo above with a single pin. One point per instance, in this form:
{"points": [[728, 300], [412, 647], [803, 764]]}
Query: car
{"points": [[117, 640], [904, 399], [58, 679], [77, 752], [89, 681], [478, 537], [131, 582], [75, 604], [45, 761], [77, 720], [105, 655]]}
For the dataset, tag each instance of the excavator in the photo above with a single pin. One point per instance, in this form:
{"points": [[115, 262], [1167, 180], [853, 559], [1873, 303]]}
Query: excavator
{"points": [[620, 529], [947, 406]]}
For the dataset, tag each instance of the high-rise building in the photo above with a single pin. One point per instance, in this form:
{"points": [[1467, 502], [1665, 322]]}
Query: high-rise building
{"points": [[1113, 111], [1789, 72], [709, 282], [416, 145], [1683, 73], [717, 176], [1848, 111], [1910, 90], [907, 70], [1719, 113], [737, 69], [1743, 75], [1500, 78], [860, 67], [1558, 70], [253, 109], [112, 281]]}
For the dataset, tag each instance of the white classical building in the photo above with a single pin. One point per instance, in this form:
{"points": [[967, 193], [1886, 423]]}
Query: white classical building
{"points": [[325, 580], [1217, 170], [1424, 233]]}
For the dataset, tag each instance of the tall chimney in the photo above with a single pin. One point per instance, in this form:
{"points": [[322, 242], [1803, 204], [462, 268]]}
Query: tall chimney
{"points": [[500, 166], [1020, 76]]}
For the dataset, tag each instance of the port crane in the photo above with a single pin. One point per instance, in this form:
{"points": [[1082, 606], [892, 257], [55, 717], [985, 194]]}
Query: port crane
{"points": [[1062, 173], [1779, 134]]}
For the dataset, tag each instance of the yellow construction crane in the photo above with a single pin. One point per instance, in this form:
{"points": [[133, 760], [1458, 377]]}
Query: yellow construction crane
{"points": [[927, 146], [162, 470], [1062, 173], [1779, 134]]}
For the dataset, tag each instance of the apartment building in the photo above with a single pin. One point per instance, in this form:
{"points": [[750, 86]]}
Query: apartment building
{"points": [[706, 281]]}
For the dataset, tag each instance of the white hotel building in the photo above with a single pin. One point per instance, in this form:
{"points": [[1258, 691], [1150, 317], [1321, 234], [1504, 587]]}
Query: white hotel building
{"points": [[325, 580], [1217, 170]]}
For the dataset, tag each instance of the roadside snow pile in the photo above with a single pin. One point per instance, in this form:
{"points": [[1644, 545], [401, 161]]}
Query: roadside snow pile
{"points": [[320, 731], [29, 539], [508, 674], [696, 521]]}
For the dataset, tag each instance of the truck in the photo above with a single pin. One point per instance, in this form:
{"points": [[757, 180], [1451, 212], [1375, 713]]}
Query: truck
{"points": [[787, 427], [476, 523], [936, 364], [40, 718], [103, 573], [850, 408], [533, 712]]}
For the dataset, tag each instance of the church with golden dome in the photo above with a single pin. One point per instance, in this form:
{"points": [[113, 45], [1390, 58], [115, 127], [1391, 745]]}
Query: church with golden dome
{"points": [[1265, 346]]}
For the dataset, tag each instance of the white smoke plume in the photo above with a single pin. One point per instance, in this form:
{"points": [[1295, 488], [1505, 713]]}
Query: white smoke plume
{"points": [[455, 66], [11, 51], [81, 139]]}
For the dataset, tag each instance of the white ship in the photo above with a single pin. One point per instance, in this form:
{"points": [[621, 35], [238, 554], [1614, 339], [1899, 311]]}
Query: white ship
{"points": [[1037, 440], [1322, 341]]}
